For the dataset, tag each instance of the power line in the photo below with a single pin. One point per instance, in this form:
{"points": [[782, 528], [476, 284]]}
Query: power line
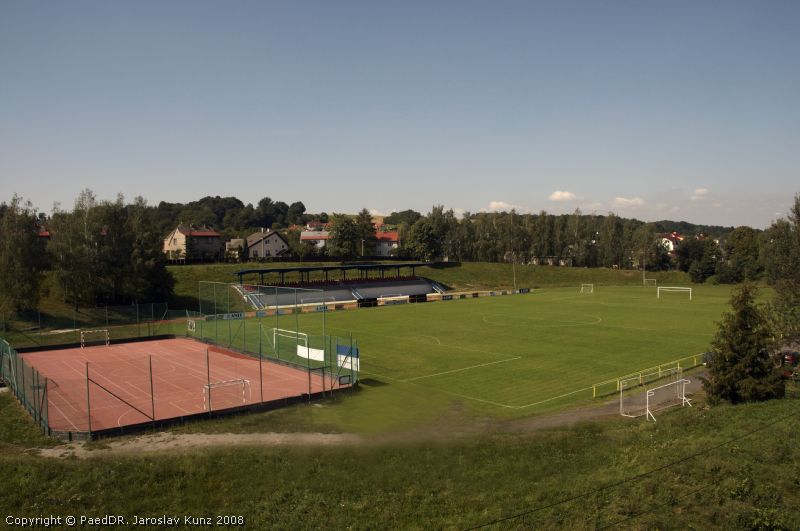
{"points": [[635, 477]]}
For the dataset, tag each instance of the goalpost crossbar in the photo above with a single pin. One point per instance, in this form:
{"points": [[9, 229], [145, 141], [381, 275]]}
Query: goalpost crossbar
{"points": [[209, 387], [104, 332], [299, 337], [649, 281], [673, 289], [587, 288]]}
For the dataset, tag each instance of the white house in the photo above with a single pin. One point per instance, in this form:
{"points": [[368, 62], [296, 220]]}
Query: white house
{"points": [[317, 238], [265, 244], [386, 242]]}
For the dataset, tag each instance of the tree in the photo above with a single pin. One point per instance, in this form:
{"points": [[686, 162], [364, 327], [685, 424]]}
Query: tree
{"points": [[781, 256], [423, 241], [406, 216], [366, 232], [344, 240], [21, 257], [74, 247], [740, 256], [741, 369], [294, 215], [147, 277]]}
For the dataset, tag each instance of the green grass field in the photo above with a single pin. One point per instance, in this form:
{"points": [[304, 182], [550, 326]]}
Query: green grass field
{"points": [[437, 380], [500, 357]]}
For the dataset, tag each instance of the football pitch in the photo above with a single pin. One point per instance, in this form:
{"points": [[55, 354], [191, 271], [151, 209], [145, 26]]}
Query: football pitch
{"points": [[522, 354]]}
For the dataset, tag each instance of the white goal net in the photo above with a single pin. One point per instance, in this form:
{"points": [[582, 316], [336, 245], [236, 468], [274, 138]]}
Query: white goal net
{"points": [[226, 394], [281, 335], [94, 337], [668, 289], [637, 399]]}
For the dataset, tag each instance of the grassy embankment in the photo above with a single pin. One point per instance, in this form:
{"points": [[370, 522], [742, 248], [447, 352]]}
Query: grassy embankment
{"points": [[697, 468]]}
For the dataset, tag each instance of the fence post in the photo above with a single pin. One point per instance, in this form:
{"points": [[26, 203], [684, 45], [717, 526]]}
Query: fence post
{"points": [[24, 394], [106, 316], [88, 402], [260, 370], [208, 376], [152, 393], [46, 406]]}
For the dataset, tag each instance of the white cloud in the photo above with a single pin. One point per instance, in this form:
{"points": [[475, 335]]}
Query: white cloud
{"points": [[501, 206], [560, 195], [699, 194], [627, 202]]}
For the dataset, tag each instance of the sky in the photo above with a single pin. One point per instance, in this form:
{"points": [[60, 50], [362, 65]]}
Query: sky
{"points": [[683, 110]]}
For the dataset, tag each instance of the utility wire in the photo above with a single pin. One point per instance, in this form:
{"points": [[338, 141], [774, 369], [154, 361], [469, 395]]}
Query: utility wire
{"points": [[635, 477]]}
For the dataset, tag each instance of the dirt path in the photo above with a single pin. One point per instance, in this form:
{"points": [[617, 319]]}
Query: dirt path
{"points": [[174, 442], [164, 441]]}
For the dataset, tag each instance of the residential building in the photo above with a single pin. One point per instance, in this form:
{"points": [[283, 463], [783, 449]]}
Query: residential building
{"points": [[386, 242], [187, 242], [266, 244], [317, 238], [670, 241]]}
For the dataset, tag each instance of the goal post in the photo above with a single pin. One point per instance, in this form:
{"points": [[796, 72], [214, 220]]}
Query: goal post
{"points": [[90, 336], [637, 398], [226, 394], [667, 289], [587, 288], [649, 282], [300, 338]]}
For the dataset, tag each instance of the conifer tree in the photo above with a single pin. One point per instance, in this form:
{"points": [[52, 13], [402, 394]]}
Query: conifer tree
{"points": [[741, 369]]}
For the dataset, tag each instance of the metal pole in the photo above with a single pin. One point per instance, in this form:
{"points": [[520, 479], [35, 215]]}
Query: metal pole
{"points": [[208, 376], [152, 393], [260, 369], [275, 337], [88, 402], [46, 406]]}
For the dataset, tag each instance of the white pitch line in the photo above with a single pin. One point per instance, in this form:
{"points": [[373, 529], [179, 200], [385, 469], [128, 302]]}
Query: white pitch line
{"points": [[553, 398], [461, 369], [478, 399]]}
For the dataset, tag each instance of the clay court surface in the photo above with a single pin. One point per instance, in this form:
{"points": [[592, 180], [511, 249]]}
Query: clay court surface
{"points": [[122, 390]]}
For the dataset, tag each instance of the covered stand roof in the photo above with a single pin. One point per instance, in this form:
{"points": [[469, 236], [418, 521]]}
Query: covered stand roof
{"points": [[305, 271]]}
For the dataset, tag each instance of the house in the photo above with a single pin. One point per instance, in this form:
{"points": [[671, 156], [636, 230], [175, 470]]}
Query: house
{"points": [[317, 238], [265, 244], [233, 248], [670, 241], [193, 243], [386, 242]]}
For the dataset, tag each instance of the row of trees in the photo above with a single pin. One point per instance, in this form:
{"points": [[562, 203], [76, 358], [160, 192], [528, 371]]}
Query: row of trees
{"points": [[582, 240], [231, 216], [99, 252]]}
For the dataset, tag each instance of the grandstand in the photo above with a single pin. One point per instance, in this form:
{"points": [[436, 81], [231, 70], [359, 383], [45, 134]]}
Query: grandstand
{"points": [[373, 281]]}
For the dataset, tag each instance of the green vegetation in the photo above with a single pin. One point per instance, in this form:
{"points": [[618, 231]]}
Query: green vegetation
{"points": [[741, 369], [496, 357], [744, 475]]}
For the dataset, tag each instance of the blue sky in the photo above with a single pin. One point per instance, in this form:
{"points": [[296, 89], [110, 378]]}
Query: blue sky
{"points": [[678, 110]]}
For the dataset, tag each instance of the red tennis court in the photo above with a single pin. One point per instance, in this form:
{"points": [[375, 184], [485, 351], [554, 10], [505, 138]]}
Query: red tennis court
{"points": [[112, 386]]}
